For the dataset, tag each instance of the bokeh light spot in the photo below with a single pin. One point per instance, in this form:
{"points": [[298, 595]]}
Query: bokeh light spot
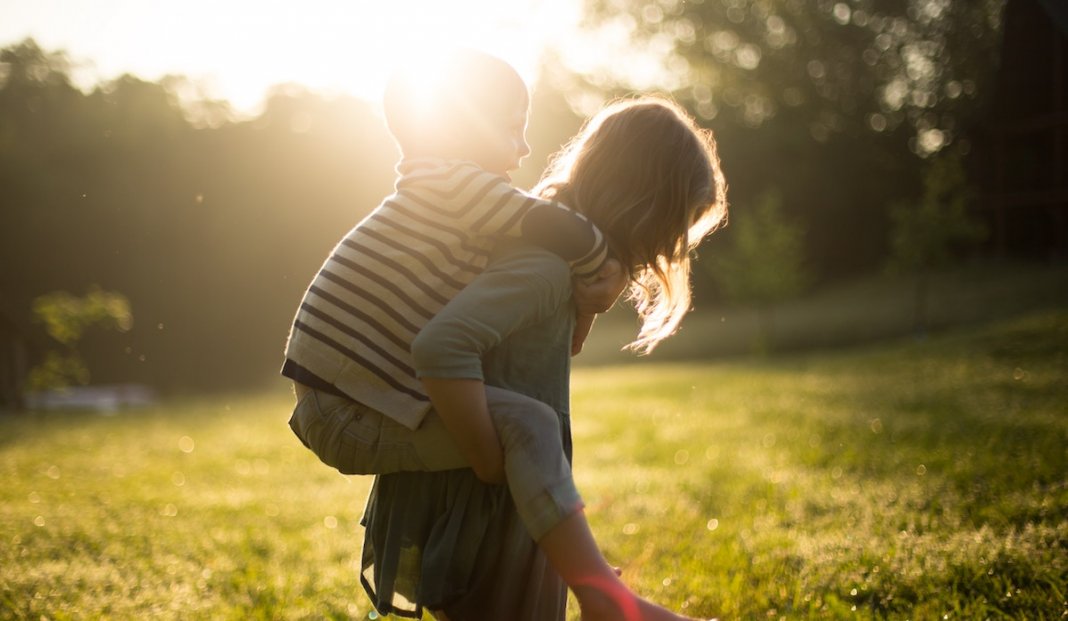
{"points": [[842, 13]]}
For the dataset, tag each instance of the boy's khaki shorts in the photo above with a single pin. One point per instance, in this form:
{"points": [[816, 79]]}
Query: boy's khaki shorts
{"points": [[356, 439]]}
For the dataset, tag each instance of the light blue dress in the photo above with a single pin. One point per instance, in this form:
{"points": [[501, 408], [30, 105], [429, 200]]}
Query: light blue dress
{"points": [[445, 540]]}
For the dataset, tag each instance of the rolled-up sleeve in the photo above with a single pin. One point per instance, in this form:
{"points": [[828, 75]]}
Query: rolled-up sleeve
{"points": [[518, 288]]}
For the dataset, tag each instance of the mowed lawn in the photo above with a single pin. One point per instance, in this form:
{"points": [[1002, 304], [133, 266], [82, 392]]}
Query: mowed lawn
{"points": [[912, 480]]}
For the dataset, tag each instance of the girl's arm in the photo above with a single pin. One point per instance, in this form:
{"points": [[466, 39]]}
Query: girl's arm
{"points": [[461, 404], [447, 353]]}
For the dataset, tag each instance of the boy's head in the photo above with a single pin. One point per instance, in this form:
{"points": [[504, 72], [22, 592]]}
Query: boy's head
{"points": [[466, 105]]}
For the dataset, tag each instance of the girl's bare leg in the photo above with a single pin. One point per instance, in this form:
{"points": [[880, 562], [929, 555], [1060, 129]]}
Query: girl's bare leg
{"points": [[573, 553]]}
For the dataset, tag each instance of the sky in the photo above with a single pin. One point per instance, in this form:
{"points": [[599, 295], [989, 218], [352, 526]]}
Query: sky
{"points": [[236, 49]]}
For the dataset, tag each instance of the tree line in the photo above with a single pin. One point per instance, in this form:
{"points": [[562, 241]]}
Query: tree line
{"points": [[211, 227], [211, 233]]}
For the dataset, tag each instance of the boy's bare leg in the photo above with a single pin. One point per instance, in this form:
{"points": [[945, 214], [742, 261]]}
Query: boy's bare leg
{"points": [[574, 554]]}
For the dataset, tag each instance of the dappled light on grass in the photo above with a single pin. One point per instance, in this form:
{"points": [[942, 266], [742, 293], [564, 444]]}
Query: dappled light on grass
{"points": [[188, 511], [909, 481], [913, 481]]}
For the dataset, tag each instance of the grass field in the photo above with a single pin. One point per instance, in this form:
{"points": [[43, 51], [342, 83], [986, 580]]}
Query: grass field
{"points": [[868, 309], [913, 480]]}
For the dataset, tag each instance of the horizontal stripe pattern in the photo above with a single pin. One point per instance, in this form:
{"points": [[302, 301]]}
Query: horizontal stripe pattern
{"points": [[397, 269]]}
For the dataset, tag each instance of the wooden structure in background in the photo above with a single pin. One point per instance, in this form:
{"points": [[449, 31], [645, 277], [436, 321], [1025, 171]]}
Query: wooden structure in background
{"points": [[1024, 140]]}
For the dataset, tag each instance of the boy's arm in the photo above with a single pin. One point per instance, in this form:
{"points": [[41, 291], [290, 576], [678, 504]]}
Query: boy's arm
{"points": [[568, 234], [485, 204], [505, 210]]}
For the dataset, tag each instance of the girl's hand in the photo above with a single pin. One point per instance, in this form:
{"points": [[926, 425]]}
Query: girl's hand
{"points": [[599, 296], [583, 325], [461, 404], [596, 297]]}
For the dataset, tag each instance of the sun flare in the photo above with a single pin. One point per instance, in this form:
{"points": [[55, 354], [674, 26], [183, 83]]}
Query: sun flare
{"points": [[385, 35], [237, 50]]}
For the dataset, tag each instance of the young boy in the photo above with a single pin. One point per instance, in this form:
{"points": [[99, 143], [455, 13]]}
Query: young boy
{"points": [[461, 127]]}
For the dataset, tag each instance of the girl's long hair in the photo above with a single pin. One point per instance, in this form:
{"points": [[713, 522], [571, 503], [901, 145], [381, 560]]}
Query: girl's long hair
{"points": [[650, 179]]}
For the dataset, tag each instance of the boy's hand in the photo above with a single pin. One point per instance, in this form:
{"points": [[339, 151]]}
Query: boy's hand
{"points": [[599, 296]]}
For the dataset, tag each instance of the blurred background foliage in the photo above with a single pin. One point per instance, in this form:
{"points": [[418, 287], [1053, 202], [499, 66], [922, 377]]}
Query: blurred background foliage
{"points": [[764, 264], [211, 225], [210, 231], [65, 319], [826, 67]]}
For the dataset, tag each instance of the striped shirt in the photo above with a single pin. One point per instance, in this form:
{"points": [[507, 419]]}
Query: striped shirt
{"points": [[403, 263]]}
